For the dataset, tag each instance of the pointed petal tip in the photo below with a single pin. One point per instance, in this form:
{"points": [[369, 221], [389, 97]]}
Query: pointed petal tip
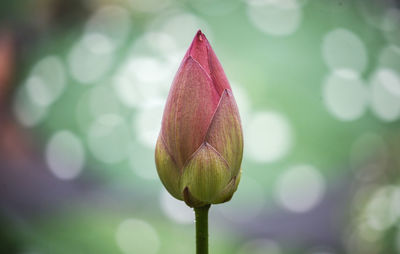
{"points": [[198, 50], [200, 36], [199, 41]]}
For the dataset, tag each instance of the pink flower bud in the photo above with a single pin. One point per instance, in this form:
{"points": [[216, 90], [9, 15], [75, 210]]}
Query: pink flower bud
{"points": [[200, 146]]}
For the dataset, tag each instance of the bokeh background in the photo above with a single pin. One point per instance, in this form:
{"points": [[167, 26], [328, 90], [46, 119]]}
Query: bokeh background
{"points": [[82, 89]]}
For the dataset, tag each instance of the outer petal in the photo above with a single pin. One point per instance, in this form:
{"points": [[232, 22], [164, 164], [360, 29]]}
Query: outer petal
{"points": [[229, 190], [217, 73], [206, 174], [191, 103], [225, 133], [167, 170]]}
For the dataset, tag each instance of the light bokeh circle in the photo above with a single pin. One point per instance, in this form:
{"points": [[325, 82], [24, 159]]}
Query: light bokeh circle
{"points": [[343, 49], [345, 95], [300, 188], [109, 138], [383, 209], [385, 100], [275, 17], [65, 155], [46, 81], [135, 236], [268, 136]]}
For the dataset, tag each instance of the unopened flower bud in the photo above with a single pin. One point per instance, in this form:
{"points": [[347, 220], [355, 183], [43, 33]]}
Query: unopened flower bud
{"points": [[200, 146]]}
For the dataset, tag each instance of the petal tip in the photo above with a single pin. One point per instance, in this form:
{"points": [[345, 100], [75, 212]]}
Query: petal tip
{"points": [[199, 41], [198, 50], [200, 35]]}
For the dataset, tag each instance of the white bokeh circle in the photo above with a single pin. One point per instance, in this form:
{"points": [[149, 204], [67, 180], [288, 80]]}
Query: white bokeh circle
{"points": [[268, 136], [142, 79], [383, 209], [147, 122], [343, 49], [300, 188], [345, 95], [65, 155], [275, 17], [88, 62], [385, 102], [27, 112], [108, 138], [108, 28], [47, 80]]}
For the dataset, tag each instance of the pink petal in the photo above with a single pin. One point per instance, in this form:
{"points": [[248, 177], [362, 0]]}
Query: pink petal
{"points": [[191, 103], [201, 51], [217, 73], [198, 50]]}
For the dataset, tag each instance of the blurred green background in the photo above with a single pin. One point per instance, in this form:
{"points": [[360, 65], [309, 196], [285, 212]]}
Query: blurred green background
{"points": [[82, 90]]}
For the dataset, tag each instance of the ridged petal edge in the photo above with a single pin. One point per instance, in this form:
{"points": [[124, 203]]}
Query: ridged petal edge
{"points": [[190, 106], [225, 132]]}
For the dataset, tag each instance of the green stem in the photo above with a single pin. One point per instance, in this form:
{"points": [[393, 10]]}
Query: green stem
{"points": [[201, 214]]}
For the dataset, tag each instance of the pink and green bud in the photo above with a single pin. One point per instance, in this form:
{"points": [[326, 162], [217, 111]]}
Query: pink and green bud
{"points": [[200, 146]]}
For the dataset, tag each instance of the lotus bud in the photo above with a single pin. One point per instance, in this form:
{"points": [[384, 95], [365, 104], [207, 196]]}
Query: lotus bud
{"points": [[200, 146]]}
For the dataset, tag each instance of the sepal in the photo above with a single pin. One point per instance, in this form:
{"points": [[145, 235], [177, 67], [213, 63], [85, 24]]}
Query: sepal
{"points": [[206, 174]]}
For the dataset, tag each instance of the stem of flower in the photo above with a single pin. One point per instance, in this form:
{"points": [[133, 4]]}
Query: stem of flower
{"points": [[201, 214]]}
